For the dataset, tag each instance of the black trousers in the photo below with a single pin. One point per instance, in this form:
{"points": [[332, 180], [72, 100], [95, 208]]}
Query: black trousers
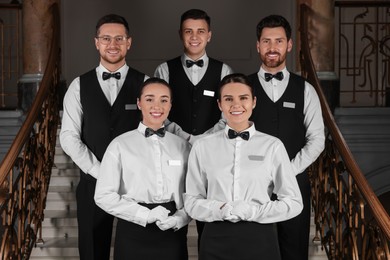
{"points": [[239, 241], [94, 224], [293, 234]]}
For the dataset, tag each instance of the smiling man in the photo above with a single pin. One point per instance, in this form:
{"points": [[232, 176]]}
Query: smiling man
{"points": [[194, 76], [288, 107], [98, 106]]}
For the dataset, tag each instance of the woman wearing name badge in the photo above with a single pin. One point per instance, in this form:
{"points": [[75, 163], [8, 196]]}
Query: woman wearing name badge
{"points": [[141, 182], [231, 176]]}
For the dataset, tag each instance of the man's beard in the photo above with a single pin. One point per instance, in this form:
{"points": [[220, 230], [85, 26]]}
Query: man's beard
{"points": [[273, 63]]}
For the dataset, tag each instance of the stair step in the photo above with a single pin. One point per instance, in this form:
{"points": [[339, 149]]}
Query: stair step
{"points": [[56, 218], [68, 247], [69, 181], [61, 205]]}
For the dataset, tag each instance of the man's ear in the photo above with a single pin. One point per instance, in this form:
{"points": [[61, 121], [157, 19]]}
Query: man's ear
{"points": [[139, 107], [289, 45], [209, 38], [219, 105]]}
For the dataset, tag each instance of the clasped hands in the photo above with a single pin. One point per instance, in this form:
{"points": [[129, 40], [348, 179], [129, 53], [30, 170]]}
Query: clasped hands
{"points": [[159, 215], [235, 211]]}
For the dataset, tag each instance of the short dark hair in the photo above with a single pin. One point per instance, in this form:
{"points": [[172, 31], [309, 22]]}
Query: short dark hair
{"points": [[153, 80], [112, 18], [273, 21], [195, 14], [235, 78]]}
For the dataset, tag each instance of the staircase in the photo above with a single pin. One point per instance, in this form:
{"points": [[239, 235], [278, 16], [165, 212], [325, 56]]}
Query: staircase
{"points": [[59, 229], [367, 133], [10, 122]]}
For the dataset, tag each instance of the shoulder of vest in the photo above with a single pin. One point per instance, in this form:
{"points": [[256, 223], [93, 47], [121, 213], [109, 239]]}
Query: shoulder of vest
{"points": [[253, 75], [133, 72], [176, 59], [89, 74], [211, 60], [254, 79], [296, 77]]}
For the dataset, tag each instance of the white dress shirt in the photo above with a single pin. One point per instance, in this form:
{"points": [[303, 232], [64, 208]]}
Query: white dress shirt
{"points": [[224, 170], [70, 134], [194, 73], [136, 169], [313, 121]]}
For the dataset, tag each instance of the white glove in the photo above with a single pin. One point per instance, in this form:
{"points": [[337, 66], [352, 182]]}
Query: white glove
{"points": [[168, 223], [158, 213], [242, 210], [222, 211]]}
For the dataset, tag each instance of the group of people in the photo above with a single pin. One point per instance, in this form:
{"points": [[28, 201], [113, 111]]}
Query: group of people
{"points": [[194, 141]]}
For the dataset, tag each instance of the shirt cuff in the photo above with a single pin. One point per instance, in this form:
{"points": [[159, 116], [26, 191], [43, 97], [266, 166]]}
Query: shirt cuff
{"points": [[141, 217], [94, 171], [182, 219]]}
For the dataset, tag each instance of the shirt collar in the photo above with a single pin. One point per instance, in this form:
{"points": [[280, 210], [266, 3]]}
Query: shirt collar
{"points": [[251, 130]]}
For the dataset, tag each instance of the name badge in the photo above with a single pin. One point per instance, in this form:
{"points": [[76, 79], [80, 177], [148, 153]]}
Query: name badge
{"points": [[174, 162], [130, 107], [256, 157], [208, 93], [289, 104]]}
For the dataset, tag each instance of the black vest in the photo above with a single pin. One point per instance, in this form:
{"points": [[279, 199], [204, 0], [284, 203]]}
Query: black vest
{"points": [[103, 122], [279, 119], [191, 109]]}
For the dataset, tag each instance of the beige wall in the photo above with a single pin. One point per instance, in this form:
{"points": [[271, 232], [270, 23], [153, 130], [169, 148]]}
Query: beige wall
{"points": [[154, 26]]}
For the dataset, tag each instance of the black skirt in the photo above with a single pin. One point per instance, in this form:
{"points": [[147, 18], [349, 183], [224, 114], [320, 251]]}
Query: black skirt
{"points": [[133, 241], [224, 240]]}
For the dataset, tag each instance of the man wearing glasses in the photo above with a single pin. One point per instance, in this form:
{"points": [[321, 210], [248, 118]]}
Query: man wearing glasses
{"points": [[98, 106]]}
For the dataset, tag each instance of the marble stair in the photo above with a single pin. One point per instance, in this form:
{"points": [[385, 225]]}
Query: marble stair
{"points": [[10, 122]]}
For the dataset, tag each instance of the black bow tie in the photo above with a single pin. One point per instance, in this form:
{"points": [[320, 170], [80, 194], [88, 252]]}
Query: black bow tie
{"points": [[233, 134], [269, 76], [107, 75], [190, 63], [159, 132]]}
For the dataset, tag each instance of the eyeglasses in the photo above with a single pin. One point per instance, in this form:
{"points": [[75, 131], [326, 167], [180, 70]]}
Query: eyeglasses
{"points": [[106, 40]]}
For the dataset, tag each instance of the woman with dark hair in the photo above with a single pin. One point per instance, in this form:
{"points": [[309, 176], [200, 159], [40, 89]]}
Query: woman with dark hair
{"points": [[231, 176], [141, 182]]}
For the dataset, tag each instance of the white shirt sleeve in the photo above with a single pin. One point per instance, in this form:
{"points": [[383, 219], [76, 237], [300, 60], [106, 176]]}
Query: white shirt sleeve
{"points": [[289, 203], [70, 134], [226, 70], [199, 206], [107, 191], [315, 132], [162, 72]]}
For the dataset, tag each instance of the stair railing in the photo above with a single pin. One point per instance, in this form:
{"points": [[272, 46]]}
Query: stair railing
{"points": [[341, 196], [26, 169]]}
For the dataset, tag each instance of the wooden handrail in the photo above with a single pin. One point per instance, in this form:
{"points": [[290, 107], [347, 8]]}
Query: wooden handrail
{"points": [[348, 164], [44, 87], [26, 169]]}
